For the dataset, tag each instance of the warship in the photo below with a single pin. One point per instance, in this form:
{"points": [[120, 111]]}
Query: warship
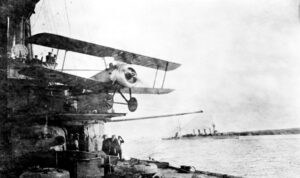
{"points": [[214, 134], [44, 111], [211, 134]]}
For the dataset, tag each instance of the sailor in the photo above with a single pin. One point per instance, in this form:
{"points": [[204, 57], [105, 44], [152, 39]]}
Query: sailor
{"points": [[76, 142], [49, 58], [106, 144], [53, 61], [114, 146], [106, 148], [54, 58], [119, 148], [35, 60], [70, 142], [74, 105]]}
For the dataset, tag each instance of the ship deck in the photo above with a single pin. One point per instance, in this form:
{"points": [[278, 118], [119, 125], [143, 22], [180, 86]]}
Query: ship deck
{"points": [[170, 173], [165, 170]]}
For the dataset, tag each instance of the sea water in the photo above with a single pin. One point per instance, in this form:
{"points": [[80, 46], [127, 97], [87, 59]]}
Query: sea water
{"points": [[251, 156]]}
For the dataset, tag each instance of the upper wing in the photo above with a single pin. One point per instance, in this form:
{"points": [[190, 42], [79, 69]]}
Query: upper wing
{"points": [[69, 44]]}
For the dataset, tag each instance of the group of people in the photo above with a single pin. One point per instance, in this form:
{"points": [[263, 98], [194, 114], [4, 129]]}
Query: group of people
{"points": [[112, 146], [50, 60]]}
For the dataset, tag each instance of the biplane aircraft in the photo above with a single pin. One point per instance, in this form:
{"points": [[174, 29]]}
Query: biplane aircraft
{"points": [[93, 95]]}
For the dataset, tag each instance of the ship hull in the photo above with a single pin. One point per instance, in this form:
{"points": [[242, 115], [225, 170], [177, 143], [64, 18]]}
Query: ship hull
{"points": [[193, 137]]}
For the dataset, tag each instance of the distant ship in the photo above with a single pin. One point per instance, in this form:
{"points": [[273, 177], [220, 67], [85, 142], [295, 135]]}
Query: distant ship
{"points": [[213, 134], [192, 136]]}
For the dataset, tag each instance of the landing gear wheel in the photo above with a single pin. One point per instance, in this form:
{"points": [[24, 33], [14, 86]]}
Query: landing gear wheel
{"points": [[132, 104]]}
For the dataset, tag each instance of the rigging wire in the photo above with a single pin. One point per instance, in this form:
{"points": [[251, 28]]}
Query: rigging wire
{"points": [[52, 17], [48, 20], [38, 14], [84, 8], [66, 9]]}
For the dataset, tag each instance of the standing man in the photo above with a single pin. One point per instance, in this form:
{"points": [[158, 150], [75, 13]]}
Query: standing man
{"points": [[114, 146], [106, 144], [119, 148], [49, 58], [76, 142]]}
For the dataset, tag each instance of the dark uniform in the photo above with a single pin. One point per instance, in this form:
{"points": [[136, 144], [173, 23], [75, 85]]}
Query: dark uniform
{"points": [[48, 58], [114, 147], [106, 145]]}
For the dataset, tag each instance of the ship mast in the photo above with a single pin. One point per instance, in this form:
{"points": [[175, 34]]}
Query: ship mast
{"points": [[14, 28]]}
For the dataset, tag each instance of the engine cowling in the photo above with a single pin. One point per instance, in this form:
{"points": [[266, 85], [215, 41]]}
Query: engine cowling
{"points": [[124, 74]]}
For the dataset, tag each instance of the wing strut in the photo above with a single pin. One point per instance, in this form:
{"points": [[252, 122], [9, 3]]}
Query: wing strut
{"points": [[155, 77], [105, 63], [162, 86], [63, 65], [57, 52]]}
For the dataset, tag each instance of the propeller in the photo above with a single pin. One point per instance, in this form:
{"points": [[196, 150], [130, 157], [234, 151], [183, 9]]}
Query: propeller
{"points": [[124, 74]]}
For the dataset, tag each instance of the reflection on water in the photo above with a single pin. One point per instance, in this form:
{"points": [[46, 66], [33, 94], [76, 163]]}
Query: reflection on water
{"points": [[255, 156]]}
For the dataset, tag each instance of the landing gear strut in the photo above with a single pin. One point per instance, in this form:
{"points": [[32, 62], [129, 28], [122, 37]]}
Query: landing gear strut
{"points": [[132, 102]]}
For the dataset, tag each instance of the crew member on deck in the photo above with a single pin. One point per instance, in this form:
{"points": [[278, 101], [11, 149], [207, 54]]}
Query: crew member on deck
{"points": [[106, 144], [54, 58], [53, 62], [70, 142], [49, 58], [76, 142], [119, 148], [35, 60], [114, 146]]}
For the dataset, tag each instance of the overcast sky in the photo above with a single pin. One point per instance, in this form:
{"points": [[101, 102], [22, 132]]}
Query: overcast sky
{"points": [[240, 59]]}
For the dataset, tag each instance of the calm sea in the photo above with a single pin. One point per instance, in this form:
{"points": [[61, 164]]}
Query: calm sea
{"points": [[253, 156]]}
